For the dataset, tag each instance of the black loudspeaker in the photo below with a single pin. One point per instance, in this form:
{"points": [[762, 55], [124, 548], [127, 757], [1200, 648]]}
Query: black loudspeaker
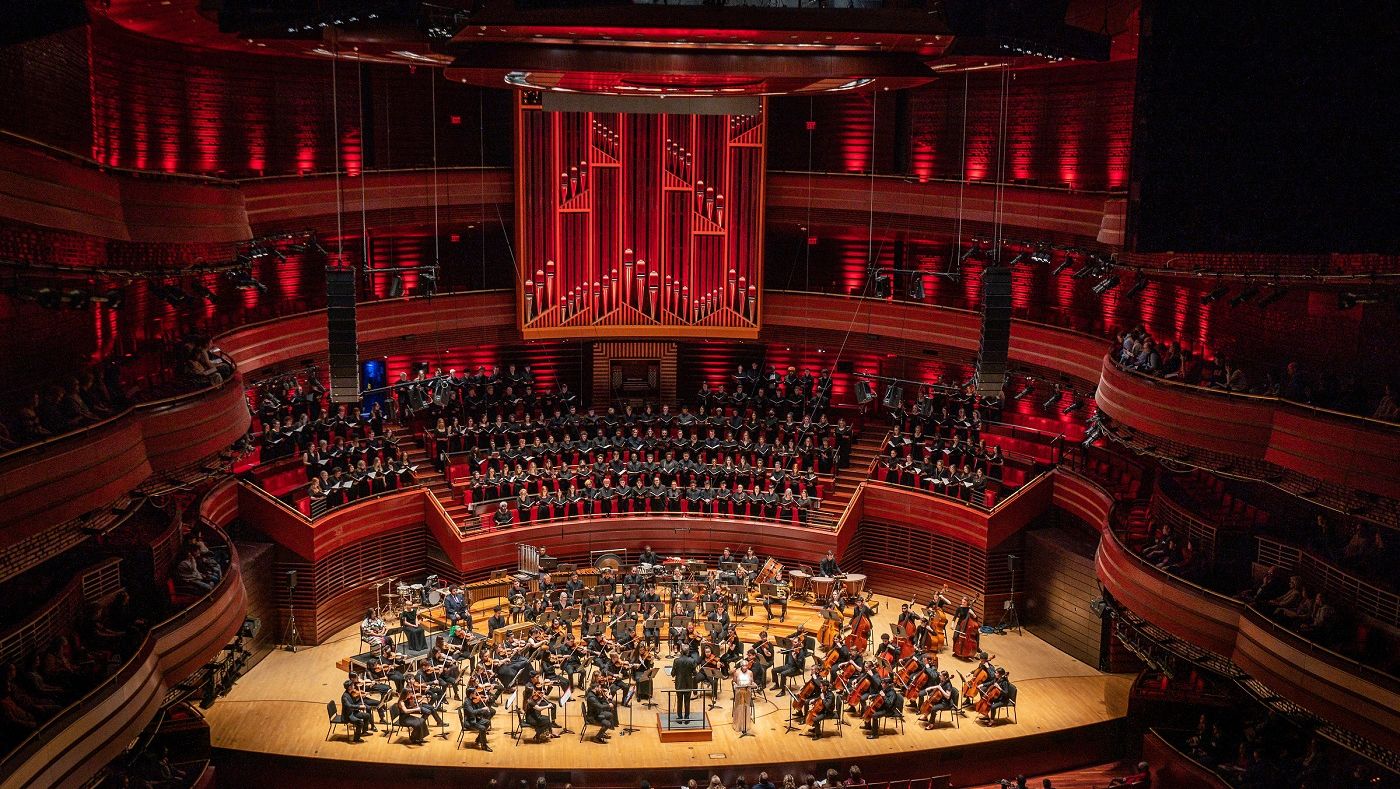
{"points": [[996, 331], [1013, 563], [894, 396], [341, 336], [864, 393], [292, 580]]}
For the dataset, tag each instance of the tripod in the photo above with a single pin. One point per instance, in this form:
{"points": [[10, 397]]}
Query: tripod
{"points": [[1010, 620], [292, 637]]}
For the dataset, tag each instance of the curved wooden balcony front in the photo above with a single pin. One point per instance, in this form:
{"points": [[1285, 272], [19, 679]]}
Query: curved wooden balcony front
{"points": [[1330, 685], [59, 479], [73, 746], [1329, 446]]}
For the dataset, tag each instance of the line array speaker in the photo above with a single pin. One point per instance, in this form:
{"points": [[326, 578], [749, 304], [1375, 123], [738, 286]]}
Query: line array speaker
{"points": [[341, 337], [996, 331]]}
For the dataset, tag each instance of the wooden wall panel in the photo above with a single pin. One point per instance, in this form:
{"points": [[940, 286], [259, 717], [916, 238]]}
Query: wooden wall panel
{"points": [[1061, 582]]}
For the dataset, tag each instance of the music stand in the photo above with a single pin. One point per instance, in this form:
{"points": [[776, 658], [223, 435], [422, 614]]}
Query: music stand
{"points": [[650, 676], [627, 702]]}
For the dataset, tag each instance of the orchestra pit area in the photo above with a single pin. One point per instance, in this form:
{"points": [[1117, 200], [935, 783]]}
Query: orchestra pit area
{"points": [[727, 394]]}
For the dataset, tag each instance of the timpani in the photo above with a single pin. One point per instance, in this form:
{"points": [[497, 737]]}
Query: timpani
{"points": [[800, 582], [853, 585], [822, 587]]}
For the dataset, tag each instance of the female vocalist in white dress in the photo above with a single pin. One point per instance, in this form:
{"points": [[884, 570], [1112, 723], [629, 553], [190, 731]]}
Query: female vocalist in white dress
{"points": [[742, 685]]}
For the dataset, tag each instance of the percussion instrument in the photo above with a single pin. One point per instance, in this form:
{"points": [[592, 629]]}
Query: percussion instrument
{"points": [[772, 570], [435, 597], [800, 581], [853, 584], [822, 586]]}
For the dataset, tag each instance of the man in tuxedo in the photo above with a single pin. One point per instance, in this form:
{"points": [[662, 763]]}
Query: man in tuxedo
{"points": [[828, 566], [496, 622], [796, 662], [683, 673]]}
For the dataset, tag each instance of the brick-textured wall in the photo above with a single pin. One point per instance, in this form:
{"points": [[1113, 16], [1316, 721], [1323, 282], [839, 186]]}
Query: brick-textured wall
{"points": [[45, 83]]}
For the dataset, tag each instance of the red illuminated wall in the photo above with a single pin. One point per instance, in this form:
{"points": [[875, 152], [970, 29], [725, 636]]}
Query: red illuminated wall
{"points": [[639, 224], [1065, 125]]}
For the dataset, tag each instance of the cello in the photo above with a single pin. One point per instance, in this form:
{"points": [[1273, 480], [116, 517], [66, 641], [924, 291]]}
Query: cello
{"points": [[934, 697], [980, 675], [984, 705]]}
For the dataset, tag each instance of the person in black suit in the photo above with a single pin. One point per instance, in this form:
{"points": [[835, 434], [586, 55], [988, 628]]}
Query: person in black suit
{"points": [[476, 716], [831, 709], [417, 636], [648, 556], [683, 672], [828, 566], [495, 622], [888, 704], [355, 712], [796, 662], [601, 712]]}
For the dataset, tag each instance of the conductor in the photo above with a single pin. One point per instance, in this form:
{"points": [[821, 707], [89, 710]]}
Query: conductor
{"points": [[683, 672]]}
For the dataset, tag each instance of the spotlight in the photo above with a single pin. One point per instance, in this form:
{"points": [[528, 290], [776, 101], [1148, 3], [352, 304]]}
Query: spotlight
{"points": [[1278, 293], [1214, 295], [1075, 404], [894, 396], [243, 279], [170, 294], [427, 281], [1052, 400], [1089, 270], [1137, 287], [1017, 259], [883, 285], [112, 298], [864, 393], [1041, 256], [395, 287], [202, 291], [970, 251], [916, 286], [1026, 389], [1346, 301], [1245, 295], [1064, 264], [1105, 285]]}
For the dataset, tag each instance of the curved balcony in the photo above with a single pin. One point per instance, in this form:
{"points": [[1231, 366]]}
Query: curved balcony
{"points": [[1346, 692], [74, 745], [61, 478], [1329, 446]]}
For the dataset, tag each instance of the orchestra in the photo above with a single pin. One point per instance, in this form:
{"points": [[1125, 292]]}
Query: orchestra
{"points": [[596, 638]]}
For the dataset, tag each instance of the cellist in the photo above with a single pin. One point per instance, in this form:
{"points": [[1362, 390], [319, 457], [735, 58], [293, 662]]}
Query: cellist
{"points": [[979, 678], [997, 693], [937, 697]]}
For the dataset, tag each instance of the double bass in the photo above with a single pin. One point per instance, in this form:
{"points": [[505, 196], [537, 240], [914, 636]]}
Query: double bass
{"points": [[861, 626], [967, 641]]}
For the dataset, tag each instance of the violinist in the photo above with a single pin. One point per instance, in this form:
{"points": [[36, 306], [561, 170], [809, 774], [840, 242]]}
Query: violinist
{"points": [[762, 651], [539, 716], [642, 663], [796, 660], [826, 707], [651, 626], [355, 712], [711, 670], [410, 716], [602, 710], [476, 716]]}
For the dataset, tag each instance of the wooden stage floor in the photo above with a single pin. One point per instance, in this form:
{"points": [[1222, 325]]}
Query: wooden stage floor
{"points": [[279, 708]]}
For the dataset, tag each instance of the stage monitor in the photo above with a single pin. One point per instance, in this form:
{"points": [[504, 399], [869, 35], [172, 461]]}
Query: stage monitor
{"points": [[638, 224]]}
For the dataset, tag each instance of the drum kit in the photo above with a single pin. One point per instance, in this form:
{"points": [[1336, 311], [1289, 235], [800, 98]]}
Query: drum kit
{"points": [[400, 595]]}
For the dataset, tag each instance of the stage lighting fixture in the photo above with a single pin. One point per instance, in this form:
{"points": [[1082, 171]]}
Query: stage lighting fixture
{"points": [[1278, 293], [1106, 284], [894, 396], [243, 279], [864, 393], [1215, 294], [967, 254], [1026, 389], [170, 294], [1019, 257], [1064, 264], [427, 280], [395, 287], [916, 286], [1347, 300], [112, 298], [1135, 288], [202, 291], [1052, 400], [1075, 404], [883, 285], [1089, 270], [1245, 295], [1041, 256]]}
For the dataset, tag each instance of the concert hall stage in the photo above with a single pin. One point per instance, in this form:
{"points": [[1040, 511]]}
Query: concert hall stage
{"points": [[274, 721]]}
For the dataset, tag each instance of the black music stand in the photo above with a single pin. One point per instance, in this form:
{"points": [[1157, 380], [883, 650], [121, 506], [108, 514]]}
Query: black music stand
{"points": [[627, 702], [712, 677], [650, 676]]}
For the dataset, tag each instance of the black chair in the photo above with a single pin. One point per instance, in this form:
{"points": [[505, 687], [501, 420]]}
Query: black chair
{"points": [[336, 719]]}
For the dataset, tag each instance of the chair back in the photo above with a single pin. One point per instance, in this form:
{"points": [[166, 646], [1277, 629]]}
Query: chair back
{"points": [[330, 710]]}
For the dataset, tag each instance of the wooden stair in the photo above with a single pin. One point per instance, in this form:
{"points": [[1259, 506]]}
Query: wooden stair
{"points": [[863, 453], [434, 480]]}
